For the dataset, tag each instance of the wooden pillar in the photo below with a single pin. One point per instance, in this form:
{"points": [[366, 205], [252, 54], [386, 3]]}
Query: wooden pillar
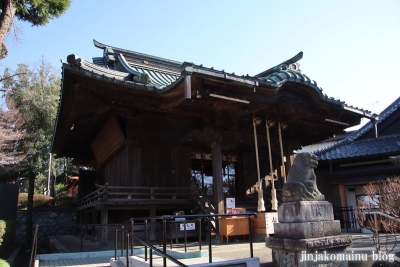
{"points": [[130, 160], [289, 163], [104, 222], [342, 195], [94, 227], [217, 178], [343, 200], [153, 227]]}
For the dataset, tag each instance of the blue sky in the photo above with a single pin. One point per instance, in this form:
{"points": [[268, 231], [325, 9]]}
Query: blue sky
{"points": [[351, 48]]}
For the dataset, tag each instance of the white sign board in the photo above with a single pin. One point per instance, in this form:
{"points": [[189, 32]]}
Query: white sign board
{"points": [[230, 202], [189, 226], [271, 218]]}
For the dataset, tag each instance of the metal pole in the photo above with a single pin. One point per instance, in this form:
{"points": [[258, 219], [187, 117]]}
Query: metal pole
{"points": [[170, 235], [151, 258], [250, 236], [200, 233], [133, 236], [185, 235], [146, 237], [209, 241], [115, 243], [164, 241], [127, 251], [122, 241]]}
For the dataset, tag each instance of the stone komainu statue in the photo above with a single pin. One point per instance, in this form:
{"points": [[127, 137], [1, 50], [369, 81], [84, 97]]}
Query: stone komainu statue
{"points": [[301, 182]]}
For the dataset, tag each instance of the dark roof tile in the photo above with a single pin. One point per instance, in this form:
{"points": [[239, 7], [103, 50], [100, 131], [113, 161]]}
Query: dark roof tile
{"points": [[374, 146]]}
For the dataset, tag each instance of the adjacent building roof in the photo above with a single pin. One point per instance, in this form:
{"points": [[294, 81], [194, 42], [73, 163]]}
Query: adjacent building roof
{"points": [[354, 146], [368, 147]]}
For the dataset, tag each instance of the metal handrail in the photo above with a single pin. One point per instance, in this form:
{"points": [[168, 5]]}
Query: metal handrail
{"points": [[185, 222], [351, 223], [169, 218], [34, 248], [127, 235]]}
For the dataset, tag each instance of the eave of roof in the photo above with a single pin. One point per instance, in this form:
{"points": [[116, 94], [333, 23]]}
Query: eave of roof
{"points": [[389, 144], [125, 73], [162, 80], [323, 153]]}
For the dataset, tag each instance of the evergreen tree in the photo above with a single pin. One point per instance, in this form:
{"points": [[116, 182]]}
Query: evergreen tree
{"points": [[35, 96], [36, 12]]}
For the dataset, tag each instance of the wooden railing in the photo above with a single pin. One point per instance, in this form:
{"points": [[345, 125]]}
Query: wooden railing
{"points": [[126, 194]]}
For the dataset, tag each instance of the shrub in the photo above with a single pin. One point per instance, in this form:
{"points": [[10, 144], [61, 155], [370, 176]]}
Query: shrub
{"points": [[38, 200], [2, 230], [4, 263]]}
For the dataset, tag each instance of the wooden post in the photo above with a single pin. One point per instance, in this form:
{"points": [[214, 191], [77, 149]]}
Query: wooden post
{"points": [[94, 221], [342, 194], [104, 222], [153, 226], [217, 178], [343, 201]]}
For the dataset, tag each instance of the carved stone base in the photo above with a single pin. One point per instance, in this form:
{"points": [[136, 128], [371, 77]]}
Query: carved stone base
{"points": [[307, 229], [284, 258], [305, 211], [307, 235], [308, 245]]}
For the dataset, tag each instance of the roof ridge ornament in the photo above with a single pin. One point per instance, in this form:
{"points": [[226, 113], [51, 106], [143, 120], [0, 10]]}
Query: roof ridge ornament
{"points": [[290, 64], [108, 55], [75, 60]]}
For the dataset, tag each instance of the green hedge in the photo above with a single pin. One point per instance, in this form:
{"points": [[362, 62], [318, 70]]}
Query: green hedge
{"points": [[38, 200]]}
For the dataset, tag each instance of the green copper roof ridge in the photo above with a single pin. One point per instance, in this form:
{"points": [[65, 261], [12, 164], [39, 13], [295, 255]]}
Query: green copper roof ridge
{"points": [[117, 49], [292, 60]]}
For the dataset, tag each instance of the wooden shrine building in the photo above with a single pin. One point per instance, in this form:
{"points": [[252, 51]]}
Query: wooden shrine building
{"points": [[148, 127]]}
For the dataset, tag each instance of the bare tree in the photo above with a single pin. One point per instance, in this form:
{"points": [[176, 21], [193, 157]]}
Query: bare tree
{"points": [[379, 212], [11, 134]]}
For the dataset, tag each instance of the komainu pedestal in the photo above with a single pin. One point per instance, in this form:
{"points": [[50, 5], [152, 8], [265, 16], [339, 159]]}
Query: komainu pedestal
{"points": [[307, 235]]}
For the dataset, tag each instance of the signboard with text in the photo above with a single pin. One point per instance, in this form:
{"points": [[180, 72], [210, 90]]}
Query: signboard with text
{"points": [[230, 202], [189, 226]]}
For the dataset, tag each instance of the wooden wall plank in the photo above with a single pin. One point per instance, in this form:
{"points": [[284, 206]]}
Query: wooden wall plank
{"points": [[108, 140]]}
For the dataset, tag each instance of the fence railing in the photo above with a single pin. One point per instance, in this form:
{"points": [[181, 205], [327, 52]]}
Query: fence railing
{"points": [[128, 194], [127, 238], [34, 248], [162, 224], [346, 216]]}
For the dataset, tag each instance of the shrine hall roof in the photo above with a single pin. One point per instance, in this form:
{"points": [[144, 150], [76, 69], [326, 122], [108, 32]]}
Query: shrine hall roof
{"points": [[159, 74]]}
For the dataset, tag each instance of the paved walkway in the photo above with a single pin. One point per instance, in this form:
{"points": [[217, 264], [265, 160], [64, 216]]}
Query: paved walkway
{"points": [[362, 243]]}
